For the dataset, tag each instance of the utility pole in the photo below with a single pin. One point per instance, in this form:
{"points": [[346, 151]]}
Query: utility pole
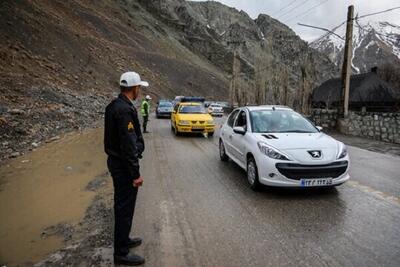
{"points": [[234, 93], [232, 89], [346, 68]]}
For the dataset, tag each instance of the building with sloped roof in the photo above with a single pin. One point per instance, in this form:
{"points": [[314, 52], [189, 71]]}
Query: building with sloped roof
{"points": [[367, 92]]}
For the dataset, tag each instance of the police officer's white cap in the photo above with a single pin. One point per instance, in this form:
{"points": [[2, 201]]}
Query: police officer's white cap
{"points": [[130, 79], [148, 97]]}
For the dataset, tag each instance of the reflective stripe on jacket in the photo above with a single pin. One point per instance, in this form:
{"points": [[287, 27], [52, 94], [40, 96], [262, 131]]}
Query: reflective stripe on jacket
{"points": [[145, 108]]}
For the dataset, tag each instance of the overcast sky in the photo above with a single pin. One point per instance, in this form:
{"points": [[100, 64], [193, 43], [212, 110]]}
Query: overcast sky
{"points": [[329, 14]]}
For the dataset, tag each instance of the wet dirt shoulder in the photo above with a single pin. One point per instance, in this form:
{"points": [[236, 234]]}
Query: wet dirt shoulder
{"points": [[56, 201]]}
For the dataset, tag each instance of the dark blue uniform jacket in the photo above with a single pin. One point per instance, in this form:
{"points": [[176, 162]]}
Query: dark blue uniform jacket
{"points": [[123, 140]]}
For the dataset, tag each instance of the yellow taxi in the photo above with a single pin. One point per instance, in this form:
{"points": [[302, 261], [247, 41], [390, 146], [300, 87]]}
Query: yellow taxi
{"points": [[192, 118]]}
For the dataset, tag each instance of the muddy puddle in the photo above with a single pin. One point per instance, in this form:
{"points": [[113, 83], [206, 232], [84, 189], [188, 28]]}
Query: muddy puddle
{"points": [[45, 189]]}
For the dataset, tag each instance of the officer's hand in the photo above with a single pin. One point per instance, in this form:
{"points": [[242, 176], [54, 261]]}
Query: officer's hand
{"points": [[138, 182]]}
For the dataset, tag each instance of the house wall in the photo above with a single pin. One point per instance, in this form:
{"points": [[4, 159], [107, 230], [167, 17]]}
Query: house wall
{"points": [[375, 125]]}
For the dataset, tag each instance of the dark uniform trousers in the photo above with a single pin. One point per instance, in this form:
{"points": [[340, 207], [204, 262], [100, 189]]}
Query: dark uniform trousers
{"points": [[124, 205], [145, 120], [124, 145]]}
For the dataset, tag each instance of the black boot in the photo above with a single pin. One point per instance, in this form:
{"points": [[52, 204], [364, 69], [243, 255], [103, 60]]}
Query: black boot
{"points": [[130, 260], [134, 242]]}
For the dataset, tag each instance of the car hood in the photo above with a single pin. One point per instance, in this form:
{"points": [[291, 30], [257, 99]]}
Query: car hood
{"points": [[194, 117], [298, 145]]}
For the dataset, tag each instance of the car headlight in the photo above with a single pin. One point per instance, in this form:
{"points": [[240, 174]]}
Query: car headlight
{"points": [[271, 152], [210, 122], [184, 122], [342, 151]]}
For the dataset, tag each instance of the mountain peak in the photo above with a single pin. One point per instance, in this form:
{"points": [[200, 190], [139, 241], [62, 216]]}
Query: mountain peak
{"points": [[374, 44]]}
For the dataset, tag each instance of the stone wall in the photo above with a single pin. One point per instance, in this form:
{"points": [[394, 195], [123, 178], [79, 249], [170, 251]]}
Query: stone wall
{"points": [[324, 117], [374, 125]]}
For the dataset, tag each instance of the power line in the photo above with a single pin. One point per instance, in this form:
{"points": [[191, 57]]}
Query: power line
{"points": [[356, 18], [320, 28], [376, 13], [290, 10], [332, 31], [284, 7], [301, 15]]}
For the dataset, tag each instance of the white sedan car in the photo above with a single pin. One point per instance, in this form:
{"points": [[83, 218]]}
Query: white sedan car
{"points": [[279, 147], [216, 109]]}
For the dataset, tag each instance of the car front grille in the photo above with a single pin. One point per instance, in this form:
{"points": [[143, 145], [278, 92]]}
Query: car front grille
{"points": [[197, 130], [299, 171]]}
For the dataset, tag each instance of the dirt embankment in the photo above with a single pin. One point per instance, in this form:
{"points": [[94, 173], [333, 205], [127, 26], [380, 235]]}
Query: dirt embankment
{"points": [[61, 60]]}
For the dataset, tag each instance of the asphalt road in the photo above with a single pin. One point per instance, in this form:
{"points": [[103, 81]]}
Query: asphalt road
{"points": [[195, 210]]}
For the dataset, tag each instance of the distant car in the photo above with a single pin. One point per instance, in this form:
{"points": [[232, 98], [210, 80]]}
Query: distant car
{"points": [[177, 99], [191, 117], [279, 147], [163, 100], [164, 109], [192, 99], [216, 109]]}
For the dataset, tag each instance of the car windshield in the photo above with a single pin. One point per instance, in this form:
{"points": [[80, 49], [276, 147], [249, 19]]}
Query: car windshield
{"points": [[196, 109], [165, 104], [280, 121]]}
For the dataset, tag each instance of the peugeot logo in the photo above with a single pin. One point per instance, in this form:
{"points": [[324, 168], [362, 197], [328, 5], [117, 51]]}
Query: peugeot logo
{"points": [[315, 154]]}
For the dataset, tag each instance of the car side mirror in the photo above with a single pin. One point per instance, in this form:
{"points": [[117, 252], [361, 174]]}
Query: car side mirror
{"points": [[320, 128], [239, 130]]}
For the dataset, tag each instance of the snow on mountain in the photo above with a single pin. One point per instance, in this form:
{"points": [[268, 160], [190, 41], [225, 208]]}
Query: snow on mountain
{"points": [[374, 44]]}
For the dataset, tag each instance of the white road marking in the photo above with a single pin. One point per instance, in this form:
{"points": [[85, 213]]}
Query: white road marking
{"points": [[376, 193]]}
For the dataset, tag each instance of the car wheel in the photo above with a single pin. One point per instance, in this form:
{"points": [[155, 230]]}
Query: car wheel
{"points": [[252, 174], [222, 154]]}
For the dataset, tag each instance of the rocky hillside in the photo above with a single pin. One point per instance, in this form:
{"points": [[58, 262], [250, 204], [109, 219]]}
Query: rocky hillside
{"points": [[374, 44], [272, 57], [61, 60]]}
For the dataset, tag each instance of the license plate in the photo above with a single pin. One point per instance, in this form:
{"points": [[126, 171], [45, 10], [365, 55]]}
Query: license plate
{"points": [[316, 182], [198, 127]]}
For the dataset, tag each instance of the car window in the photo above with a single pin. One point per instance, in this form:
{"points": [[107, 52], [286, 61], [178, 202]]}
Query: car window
{"points": [[165, 104], [192, 109], [280, 121], [232, 117], [241, 120]]}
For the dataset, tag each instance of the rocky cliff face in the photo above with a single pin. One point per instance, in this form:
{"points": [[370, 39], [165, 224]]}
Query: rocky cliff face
{"points": [[272, 58], [374, 44], [61, 61]]}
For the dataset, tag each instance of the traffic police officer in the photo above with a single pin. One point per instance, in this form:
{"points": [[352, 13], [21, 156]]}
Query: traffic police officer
{"points": [[145, 110], [124, 145]]}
